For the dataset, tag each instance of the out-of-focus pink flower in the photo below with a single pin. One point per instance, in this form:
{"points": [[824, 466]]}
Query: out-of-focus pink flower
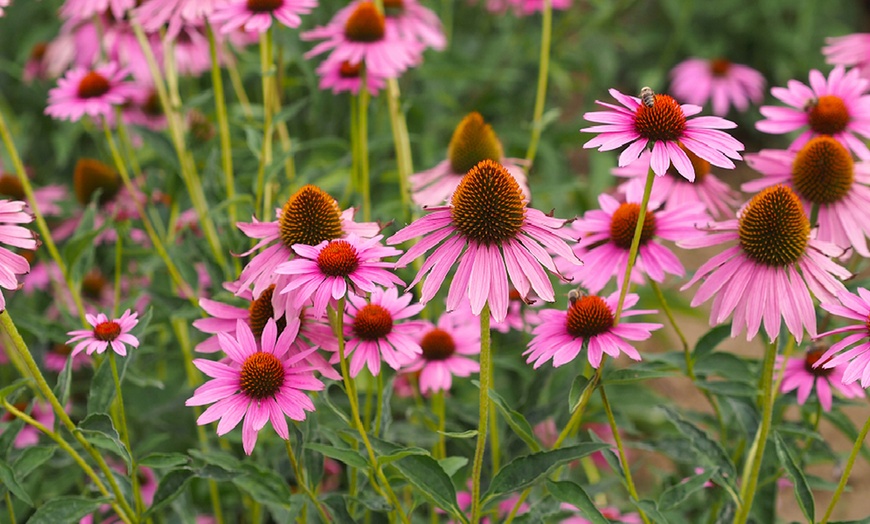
{"points": [[29, 435], [807, 373], [698, 81], [445, 351], [92, 92], [849, 51]]}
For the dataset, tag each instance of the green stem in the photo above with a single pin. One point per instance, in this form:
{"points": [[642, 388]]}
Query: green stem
{"points": [[814, 215], [267, 71], [220, 104], [44, 230], [856, 449], [483, 418], [9, 508], [752, 468], [125, 434], [303, 484], [543, 71], [357, 423], [363, 146], [623, 460], [379, 407], [635, 244], [494, 447], [117, 291], [402, 145], [46, 392], [438, 406]]}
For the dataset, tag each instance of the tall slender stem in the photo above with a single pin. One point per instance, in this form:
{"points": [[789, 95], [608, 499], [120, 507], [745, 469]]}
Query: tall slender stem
{"points": [[267, 71], [303, 484], [402, 144], [543, 72], [220, 105], [752, 467], [362, 122], [9, 509], [844, 478], [494, 447], [125, 434], [623, 460], [438, 406], [116, 302], [635, 244], [483, 418]]}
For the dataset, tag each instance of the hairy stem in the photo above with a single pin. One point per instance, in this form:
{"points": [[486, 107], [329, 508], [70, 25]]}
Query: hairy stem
{"points": [[483, 418]]}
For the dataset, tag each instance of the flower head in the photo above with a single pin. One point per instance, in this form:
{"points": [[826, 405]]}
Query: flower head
{"points": [[772, 270], [258, 382], [662, 124], [855, 307], [58, 355], [808, 372], [487, 227], [698, 81], [12, 265], [849, 51], [335, 268], [445, 351], [415, 23], [105, 332], [42, 412], [92, 92], [343, 76], [587, 323], [255, 16], [606, 236], [46, 197], [473, 141], [823, 174], [838, 106]]}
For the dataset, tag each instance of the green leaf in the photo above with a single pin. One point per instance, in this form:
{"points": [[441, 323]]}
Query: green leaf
{"points": [[424, 473], [471, 433], [711, 339], [164, 460], [31, 458], [217, 458], [66, 509], [346, 455], [64, 381], [525, 471], [327, 398], [98, 429], [10, 482], [451, 465], [402, 453], [575, 495], [628, 375], [337, 505], [102, 391], [263, 485], [652, 511], [728, 388], [516, 421], [170, 486], [802, 491], [578, 386], [676, 495], [13, 387], [842, 422]]}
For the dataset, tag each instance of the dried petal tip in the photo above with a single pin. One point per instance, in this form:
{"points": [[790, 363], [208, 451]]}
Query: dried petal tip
{"points": [[473, 141]]}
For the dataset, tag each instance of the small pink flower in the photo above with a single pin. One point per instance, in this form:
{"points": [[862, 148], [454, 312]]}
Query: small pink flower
{"points": [[58, 355], [375, 330], [255, 16], [12, 264], [697, 81], [415, 23], [258, 382], [29, 435], [334, 269], [849, 51], [105, 333], [855, 307], [661, 124], [606, 237], [88, 92], [838, 106], [807, 373], [588, 323], [445, 351], [341, 76]]}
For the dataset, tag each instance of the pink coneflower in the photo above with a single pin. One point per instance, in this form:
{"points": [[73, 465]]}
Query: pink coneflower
{"points": [[697, 81], [310, 216], [487, 215], [805, 374], [473, 141], [674, 191], [42, 412], [91, 92], [308, 330], [838, 106], [343, 76], [445, 350], [520, 315], [610, 513], [58, 355], [255, 16], [771, 271], [144, 109], [175, 14], [415, 23], [12, 212], [361, 35], [258, 383], [855, 307], [374, 329], [588, 323], [849, 51], [606, 236], [105, 333], [334, 269], [661, 123], [822, 174], [47, 197], [3, 4], [84, 9]]}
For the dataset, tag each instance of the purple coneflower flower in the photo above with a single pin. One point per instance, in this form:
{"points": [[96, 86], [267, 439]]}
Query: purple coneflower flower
{"points": [[255, 16], [838, 106], [822, 174], [855, 307], [606, 236], [343, 76], [445, 351], [91, 92], [771, 271], [804, 374], [42, 412], [105, 333], [374, 330], [57, 356], [473, 141], [588, 323], [661, 123], [674, 191], [849, 51], [333, 268], [258, 383], [415, 23], [698, 81], [12, 212], [486, 228]]}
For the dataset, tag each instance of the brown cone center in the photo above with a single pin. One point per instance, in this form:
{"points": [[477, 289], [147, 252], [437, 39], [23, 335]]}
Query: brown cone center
{"points": [[107, 331], [589, 316], [338, 259], [372, 322], [823, 170], [473, 141], [664, 121], [92, 85], [773, 228], [624, 222], [262, 375], [438, 345], [828, 115], [309, 217], [11, 186], [487, 206], [365, 24]]}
